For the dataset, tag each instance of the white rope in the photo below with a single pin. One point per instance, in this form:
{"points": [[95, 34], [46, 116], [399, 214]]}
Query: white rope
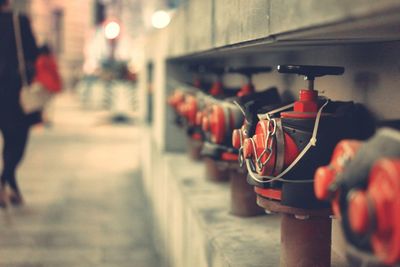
{"points": [[266, 116], [240, 107]]}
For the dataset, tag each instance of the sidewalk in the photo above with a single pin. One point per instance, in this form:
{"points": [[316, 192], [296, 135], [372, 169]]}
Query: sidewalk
{"points": [[84, 199]]}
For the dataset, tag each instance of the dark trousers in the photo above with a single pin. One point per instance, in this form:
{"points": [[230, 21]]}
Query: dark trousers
{"points": [[15, 139]]}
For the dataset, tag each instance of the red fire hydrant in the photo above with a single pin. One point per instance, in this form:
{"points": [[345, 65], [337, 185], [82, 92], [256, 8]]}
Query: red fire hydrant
{"points": [[222, 157], [219, 120], [189, 103], [218, 124], [281, 157], [362, 182]]}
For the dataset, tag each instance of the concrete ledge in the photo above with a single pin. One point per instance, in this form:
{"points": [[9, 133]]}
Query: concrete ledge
{"points": [[194, 227]]}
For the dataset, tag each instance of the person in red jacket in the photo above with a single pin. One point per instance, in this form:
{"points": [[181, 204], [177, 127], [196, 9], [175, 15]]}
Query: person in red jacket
{"points": [[47, 70], [47, 74]]}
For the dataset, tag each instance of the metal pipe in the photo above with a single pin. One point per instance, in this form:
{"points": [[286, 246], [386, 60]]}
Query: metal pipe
{"points": [[305, 242]]}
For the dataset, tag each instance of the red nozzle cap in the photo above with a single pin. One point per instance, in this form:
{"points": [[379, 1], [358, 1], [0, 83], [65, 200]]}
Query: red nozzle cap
{"points": [[358, 212], [307, 101], [216, 89], [185, 110], [191, 110], [323, 178], [217, 124], [308, 95], [181, 109], [199, 118], [205, 125], [236, 136], [176, 99], [248, 150], [246, 90]]}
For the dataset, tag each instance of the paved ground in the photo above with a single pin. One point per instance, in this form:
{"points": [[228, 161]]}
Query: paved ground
{"points": [[84, 199]]}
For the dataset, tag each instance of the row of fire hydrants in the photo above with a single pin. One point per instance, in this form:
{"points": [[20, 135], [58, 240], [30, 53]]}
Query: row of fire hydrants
{"points": [[309, 160]]}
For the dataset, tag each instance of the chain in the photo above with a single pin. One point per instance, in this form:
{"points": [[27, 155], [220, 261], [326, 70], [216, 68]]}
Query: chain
{"points": [[271, 131]]}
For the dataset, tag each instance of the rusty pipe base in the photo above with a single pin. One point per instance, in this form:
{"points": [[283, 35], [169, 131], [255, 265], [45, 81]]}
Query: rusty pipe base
{"points": [[305, 242], [243, 197], [306, 235], [216, 171], [194, 148]]}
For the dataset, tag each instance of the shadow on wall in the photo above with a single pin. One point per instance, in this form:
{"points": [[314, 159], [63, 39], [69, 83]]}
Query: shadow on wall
{"points": [[365, 82]]}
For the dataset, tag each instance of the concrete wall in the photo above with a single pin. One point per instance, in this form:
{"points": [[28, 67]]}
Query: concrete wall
{"points": [[239, 21], [155, 50], [199, 26], [371, 76]]}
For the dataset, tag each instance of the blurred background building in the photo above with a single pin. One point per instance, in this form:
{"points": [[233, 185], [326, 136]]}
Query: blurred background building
{"points": [[75, 30]]}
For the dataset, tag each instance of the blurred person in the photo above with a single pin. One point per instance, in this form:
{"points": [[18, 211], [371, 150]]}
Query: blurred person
{"points": [[48, 75], [14, 123]]}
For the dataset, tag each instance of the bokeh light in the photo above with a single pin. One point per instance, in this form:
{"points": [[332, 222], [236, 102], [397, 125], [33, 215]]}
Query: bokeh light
{"points": [[160, 19], [112, 30]]}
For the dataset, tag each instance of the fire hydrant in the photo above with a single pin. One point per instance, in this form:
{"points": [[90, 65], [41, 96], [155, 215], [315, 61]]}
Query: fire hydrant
{"points": [[289, 144], [222, 157], [362, 182]]}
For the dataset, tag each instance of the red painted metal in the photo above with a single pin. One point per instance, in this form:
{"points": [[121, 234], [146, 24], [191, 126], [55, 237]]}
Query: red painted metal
{"points": [[246, 90], [324, 176], [248, 149], [237, 138], [358, 212], [205, 124], [262, 148], [219, 121], [216, 89], [191, 109], [373, 212], [226, 156], [217, 124], [306, 107], [376, 210], [259, 139], [176, 99], [196, 136], [199, 118]]}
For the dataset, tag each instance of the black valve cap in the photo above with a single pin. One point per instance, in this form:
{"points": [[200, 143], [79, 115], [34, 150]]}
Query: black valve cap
{"points": [[311, 71], [249, 70]]}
